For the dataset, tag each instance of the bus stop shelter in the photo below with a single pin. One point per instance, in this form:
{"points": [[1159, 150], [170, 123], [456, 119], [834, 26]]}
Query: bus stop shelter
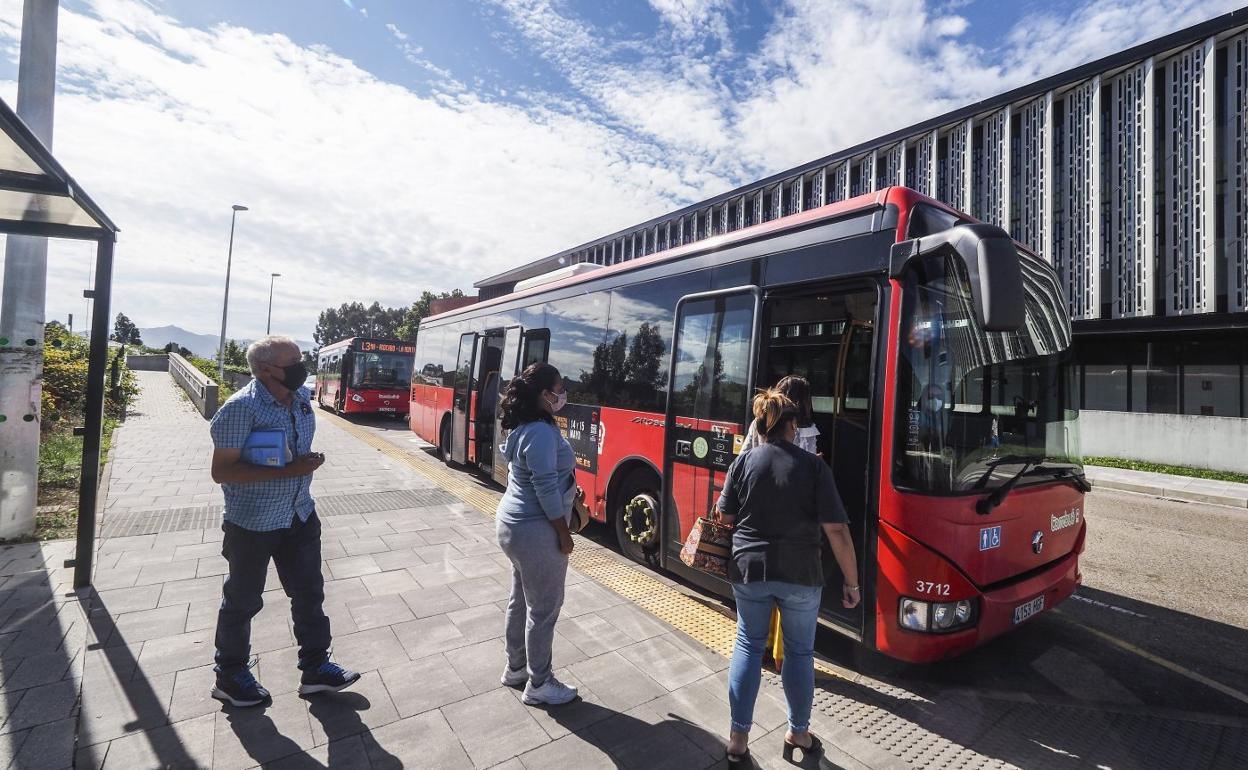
{"points": [[39, 198]]}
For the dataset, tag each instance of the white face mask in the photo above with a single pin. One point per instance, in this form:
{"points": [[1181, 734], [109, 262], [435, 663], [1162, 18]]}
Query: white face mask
{"points": [[937, 404], [561, 400]]}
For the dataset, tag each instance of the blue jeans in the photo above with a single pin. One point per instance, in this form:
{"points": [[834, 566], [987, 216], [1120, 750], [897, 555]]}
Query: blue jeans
{"points": [[296, 552], [799, 614]]}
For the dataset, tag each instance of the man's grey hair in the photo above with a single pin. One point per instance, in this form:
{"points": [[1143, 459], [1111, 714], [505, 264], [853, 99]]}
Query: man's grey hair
{"points": [[265, 350]]}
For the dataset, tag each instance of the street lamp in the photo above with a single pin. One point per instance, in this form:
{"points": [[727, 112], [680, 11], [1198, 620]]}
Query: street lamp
{"points": [[269, 320], [225, 306]]}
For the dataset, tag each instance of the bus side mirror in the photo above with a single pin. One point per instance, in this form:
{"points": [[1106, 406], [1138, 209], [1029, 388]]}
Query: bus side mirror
{"points": [[992, 267]]}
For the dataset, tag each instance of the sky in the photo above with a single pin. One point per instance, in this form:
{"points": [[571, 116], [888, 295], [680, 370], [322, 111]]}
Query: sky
{"points": [[386, 147]]}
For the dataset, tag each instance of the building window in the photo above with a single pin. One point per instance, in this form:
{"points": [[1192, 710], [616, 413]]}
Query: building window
{"points": [[1211, 390], [1105, 387]]}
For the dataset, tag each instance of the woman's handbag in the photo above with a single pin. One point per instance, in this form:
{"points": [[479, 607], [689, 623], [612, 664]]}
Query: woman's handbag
{"points": [[708, 547], [580, 512]]}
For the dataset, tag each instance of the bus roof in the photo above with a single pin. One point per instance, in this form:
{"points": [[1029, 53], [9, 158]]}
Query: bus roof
{"points": [[899, 196]]}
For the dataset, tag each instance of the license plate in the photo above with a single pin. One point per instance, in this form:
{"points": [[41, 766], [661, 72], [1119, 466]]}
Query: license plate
{"points": [[1024, 611], [385, 408]]}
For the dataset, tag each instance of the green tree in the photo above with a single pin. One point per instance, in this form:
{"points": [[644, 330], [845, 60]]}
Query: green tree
{"points": [[412, 316], [125, 332]]}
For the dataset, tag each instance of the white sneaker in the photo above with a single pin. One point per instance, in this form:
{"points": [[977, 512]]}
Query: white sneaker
{"points": [[552, 692], [514, 677]]}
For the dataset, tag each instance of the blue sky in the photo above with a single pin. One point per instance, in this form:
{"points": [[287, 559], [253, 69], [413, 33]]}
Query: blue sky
{"points": [[413, 145]]}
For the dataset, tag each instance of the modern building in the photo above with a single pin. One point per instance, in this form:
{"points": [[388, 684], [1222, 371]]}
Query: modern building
{"points": [[1130, 174]]}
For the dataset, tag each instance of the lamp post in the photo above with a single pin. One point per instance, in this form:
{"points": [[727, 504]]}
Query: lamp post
{"points": [[225, 306], [269, 321]]}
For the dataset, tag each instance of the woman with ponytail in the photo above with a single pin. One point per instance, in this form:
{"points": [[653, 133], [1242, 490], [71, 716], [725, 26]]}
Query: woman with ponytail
{"points": [[533, 529], [780, 497]]}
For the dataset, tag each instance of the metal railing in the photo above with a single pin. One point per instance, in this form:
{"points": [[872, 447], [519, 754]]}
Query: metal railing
{"points": [[200, 387]]}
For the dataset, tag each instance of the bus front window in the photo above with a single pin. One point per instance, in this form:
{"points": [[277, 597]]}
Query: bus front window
{"points": [[974, 407], [381, 370]]}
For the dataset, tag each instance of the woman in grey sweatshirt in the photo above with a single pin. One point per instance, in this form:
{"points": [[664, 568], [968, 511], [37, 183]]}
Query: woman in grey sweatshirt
{"points": [[533, 529]]}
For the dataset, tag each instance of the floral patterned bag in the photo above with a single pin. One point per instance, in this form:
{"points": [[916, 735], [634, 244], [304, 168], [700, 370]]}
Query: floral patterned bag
{"points": [[708, 547]]}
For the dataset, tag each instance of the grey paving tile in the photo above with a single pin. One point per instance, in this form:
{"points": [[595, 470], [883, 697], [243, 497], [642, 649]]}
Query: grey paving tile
{"points": [[593, 634], [192, 693], [637, 623], [640, 739], [192, 590], [435, 554], [424, 684], [665, 662], [477, 566], [111, 708], [202, 615], [365, 706], [425, 740], [382, 611], [482, 590], [174, 653], [209, 567], [574, 717], [164, 573], [346, 590], [479, 665], [569, 751], [48, 746], [434, 600], [511, 732], [429, 636], [359, 546], [188, 743], [198, 551], [438, 573], [42, 705], [588, 597], [352, 566], [389, 583], [346, 753], [247, 737], [369, 650], [140, 626], [35, 670], [479, 623], [278, 670], [699, 651], [398, 559], [121, 600], [619, 683]]}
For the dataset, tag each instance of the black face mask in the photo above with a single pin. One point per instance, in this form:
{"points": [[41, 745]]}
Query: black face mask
{"points": [[293, 376]]}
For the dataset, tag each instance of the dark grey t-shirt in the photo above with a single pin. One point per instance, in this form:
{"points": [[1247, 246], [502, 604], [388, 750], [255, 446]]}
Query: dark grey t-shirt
{"points": [[779, 494]]}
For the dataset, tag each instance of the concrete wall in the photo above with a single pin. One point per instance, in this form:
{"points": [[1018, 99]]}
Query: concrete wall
{"points": [[201, 389], [158, 363], [1219, 443], [237, 380]]}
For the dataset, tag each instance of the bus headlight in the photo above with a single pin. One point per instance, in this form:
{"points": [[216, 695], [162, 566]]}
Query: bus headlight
{"points": [[357, 398], [936, 617]]}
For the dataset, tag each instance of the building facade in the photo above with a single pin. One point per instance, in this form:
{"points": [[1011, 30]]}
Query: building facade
{"points": [[1130, 174]]}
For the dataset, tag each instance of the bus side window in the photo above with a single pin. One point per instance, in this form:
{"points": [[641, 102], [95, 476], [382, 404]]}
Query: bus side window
{"points": [[536, 348]]}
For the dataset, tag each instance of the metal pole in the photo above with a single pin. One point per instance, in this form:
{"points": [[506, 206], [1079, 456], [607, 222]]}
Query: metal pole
{"points": [[93, 432], [23, 291], [225, 305], [269, 320]]}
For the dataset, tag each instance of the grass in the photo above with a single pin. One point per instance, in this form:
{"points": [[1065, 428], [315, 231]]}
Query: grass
{"points": [[1173, 470], [60, 470]]}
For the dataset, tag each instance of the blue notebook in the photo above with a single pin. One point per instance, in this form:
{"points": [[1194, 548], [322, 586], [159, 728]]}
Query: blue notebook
{"points": [[266, 447]]}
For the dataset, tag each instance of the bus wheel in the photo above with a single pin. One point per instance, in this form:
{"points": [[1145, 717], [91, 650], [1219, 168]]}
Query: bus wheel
{"points": [[444, 442], [637, 519]]}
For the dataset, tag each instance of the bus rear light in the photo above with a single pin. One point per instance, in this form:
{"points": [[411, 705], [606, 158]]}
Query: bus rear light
{"points": [[936, 617]]}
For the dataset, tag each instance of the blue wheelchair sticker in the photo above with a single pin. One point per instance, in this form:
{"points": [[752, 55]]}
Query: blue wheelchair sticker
{"points": [[989, 538]]}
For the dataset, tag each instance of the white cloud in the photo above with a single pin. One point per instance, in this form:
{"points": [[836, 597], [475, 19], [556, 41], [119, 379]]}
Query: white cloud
{"points": [[362, 189], [394, 30]]}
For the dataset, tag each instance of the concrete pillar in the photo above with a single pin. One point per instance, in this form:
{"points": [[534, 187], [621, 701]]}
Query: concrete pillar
{"points": [[24, 291]]}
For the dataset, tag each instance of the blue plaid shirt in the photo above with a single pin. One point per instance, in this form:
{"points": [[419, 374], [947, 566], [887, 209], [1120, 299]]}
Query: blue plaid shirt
{"points": [[266, 505]]}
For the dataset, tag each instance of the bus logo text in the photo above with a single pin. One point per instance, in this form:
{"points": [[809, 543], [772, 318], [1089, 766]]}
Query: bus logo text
{"points": [[1068, 519]]}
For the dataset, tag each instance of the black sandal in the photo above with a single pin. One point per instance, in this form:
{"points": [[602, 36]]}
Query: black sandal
{"points": [[742, 761], [810, 754]]}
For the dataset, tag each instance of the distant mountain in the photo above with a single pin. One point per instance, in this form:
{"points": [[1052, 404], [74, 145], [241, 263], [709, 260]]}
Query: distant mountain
{"points": [[204, 345]]}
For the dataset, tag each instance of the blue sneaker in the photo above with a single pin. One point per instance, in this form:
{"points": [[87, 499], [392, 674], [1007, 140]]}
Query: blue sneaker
{"points": [[327, 677], [240, 688]]}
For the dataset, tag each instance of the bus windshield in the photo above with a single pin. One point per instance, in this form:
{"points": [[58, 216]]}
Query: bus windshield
{"points": [[976, 408], [382, 370]]}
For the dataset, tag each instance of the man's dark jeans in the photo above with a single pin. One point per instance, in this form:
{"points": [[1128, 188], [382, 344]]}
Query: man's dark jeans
{"points": [[296, 552]]}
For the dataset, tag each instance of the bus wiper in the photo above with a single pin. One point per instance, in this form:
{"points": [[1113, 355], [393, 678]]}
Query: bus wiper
{"points": [[1065, 473], [992, 466], [985, 505]]}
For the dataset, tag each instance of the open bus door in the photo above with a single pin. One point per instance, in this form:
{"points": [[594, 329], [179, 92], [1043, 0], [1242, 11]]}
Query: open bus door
{"points": [[462, 404], [712, 377], [507, 370]]}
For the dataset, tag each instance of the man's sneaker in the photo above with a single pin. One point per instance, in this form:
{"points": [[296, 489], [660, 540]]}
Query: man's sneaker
{"points": [[514, 677], [552, 692], [240, 688], [327, 677]]}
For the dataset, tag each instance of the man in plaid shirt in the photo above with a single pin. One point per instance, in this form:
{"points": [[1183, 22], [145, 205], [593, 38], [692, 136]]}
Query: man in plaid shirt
{"points": [[270, 514]]}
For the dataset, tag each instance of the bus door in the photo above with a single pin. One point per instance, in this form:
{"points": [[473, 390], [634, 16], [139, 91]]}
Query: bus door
{"points": [[460, 406], [713, 351], [507, 370]]}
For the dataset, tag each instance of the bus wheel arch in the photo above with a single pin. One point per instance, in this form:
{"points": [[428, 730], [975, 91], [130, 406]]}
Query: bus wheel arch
{"points": [[444, 439], [633, 496]]}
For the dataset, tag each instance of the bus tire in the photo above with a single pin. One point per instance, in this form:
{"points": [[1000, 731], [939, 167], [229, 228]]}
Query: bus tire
{"points": [[636, 516], [444, 442]]}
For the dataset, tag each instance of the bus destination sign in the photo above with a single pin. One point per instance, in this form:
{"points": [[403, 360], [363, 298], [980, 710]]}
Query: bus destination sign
{"points": [[386, 347]]}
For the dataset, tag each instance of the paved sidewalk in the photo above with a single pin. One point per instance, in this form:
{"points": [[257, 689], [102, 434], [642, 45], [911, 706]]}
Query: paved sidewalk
{"points": [[1174, 487]]}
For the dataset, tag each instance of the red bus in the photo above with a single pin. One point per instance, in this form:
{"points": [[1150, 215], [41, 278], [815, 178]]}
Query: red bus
{"points": [[364, 376], [937, 351]]}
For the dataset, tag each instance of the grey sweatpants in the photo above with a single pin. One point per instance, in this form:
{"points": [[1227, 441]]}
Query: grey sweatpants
{"points": [[538, 572]]}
